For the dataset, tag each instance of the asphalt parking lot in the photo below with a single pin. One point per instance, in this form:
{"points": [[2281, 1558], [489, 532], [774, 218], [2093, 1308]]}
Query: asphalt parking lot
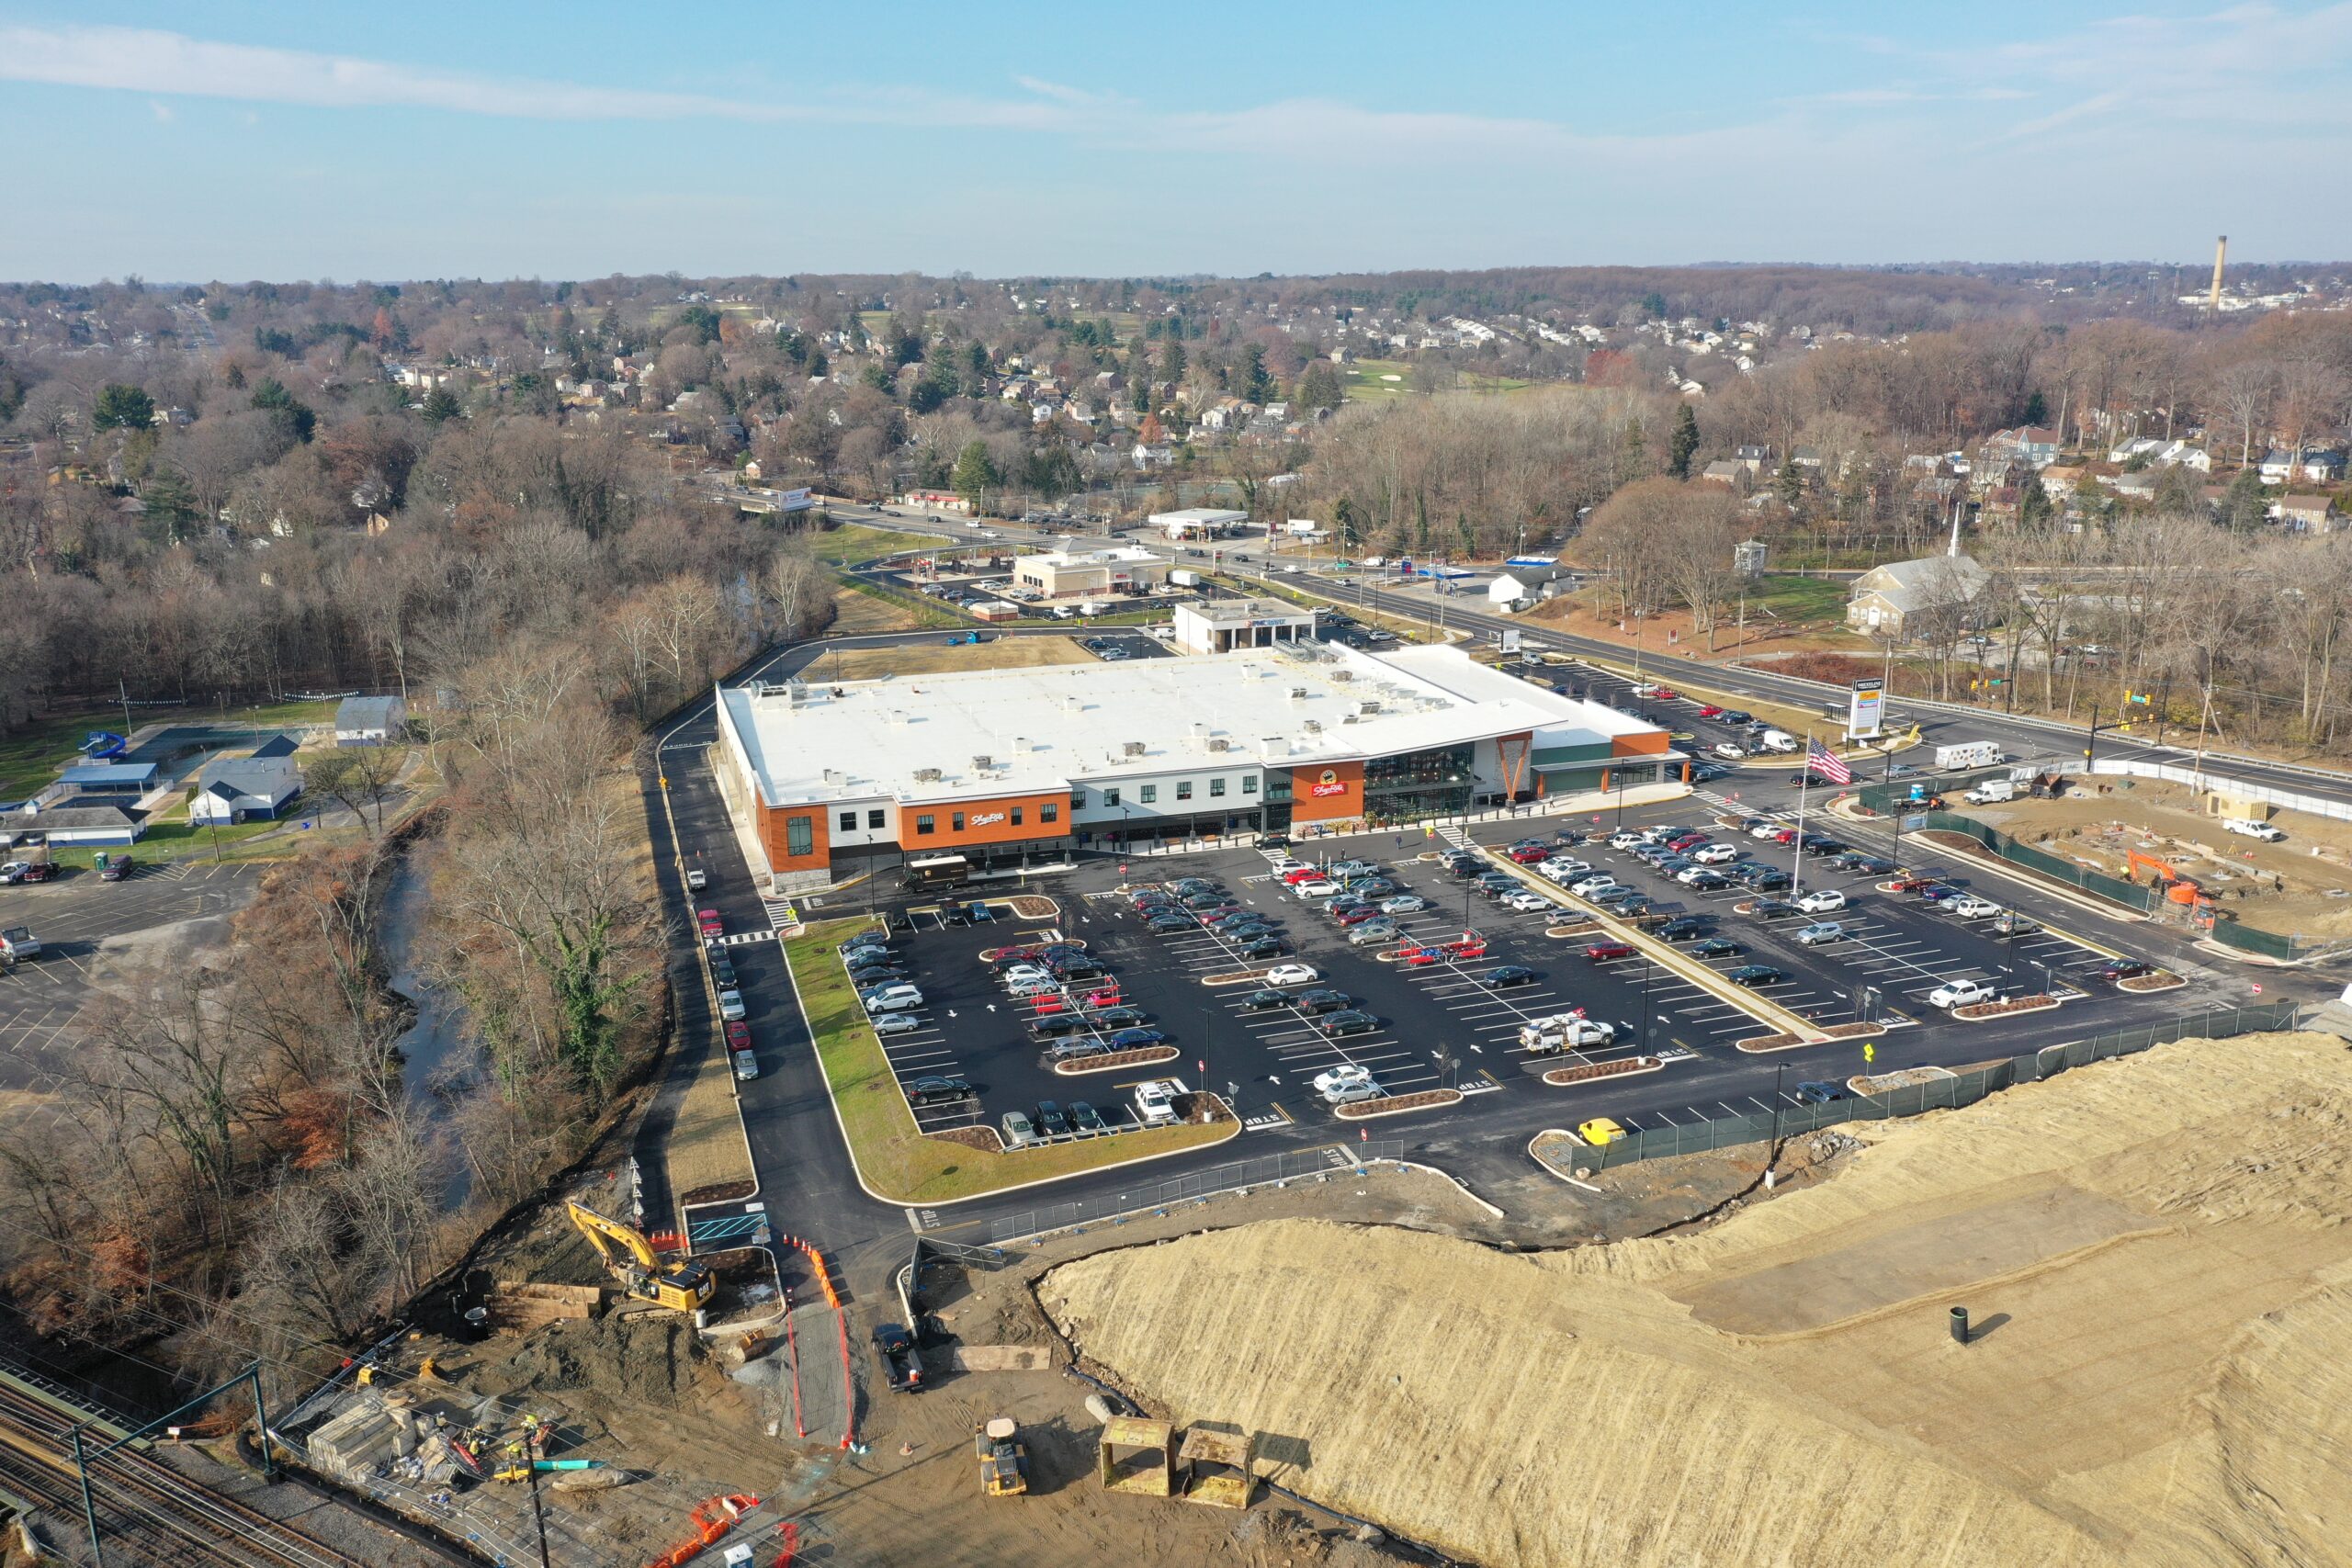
{"points": [[73, 916]]}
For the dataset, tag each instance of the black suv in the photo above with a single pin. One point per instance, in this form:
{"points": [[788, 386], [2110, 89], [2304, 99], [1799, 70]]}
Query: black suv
{"points": [[1320, 1001], [937, 1091], [1682, 926]]}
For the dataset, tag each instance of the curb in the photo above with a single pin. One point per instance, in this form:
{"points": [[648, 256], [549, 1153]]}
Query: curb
{"points": [[1549, 1170]]}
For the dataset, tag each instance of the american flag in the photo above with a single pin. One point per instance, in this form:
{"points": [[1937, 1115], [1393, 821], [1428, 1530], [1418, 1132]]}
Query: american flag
{"points": [[1827, 763]]}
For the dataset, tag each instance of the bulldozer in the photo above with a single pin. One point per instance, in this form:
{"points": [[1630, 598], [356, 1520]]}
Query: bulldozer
{"points": [[1004, 1458], [680, 1284]]}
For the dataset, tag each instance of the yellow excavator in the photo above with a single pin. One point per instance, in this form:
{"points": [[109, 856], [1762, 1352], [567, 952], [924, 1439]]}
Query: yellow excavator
{"points": [[681, 1285]]}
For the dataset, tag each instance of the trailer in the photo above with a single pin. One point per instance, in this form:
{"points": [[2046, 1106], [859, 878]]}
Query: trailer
{"points": [[1968, 754]]}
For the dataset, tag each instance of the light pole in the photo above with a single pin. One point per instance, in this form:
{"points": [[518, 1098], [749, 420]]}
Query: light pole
{"points": [[1778, 1069]]}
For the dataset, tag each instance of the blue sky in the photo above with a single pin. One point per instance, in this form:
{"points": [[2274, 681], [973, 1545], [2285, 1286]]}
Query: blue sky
{"points": [[504, 138]]}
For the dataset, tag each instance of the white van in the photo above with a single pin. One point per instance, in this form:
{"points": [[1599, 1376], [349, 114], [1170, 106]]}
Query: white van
{"points": [[1156, 1101], [1992, 792], [2248, 827], [893, 999], [1779, 740]]}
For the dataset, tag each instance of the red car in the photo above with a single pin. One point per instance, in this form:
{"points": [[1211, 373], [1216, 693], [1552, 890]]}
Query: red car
{"points": [[1299, 873], [710, 923], [1686, 841], [1360, 914], [1709, 710], [1005, 955], [1785, 836], [1532, 854], [1666, 695], [41, 871], [1602, 951], [739, 1036]]}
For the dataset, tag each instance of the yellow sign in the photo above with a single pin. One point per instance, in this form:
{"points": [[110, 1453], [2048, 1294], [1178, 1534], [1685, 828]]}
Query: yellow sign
{"points": [[1870, 1051]]}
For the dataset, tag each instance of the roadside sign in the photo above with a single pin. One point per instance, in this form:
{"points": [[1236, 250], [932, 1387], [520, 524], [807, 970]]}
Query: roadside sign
{"points": [[1205, 1068], [1914, 823], [2257, 988], [1870, 1051]]}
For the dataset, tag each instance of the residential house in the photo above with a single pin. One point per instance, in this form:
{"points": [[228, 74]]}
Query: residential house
{"points": [[2137, 485], [1158, 455], [1889, 599], [2319, 468], [2307, 514], [370, 721], [238, 789], [2034, 444], [2059, 480], [1520, 586], [1725, 471], [1753, 458]]}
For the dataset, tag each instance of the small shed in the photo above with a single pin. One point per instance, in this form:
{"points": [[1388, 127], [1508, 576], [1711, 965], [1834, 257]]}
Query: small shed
{"points": [[370, 721], [130, 779]]}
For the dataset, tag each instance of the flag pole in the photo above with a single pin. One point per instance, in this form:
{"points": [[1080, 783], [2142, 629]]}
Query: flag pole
{"points": [[1804, 781]]}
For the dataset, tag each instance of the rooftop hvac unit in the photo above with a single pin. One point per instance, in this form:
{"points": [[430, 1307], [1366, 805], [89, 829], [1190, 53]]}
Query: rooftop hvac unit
{"points": [[1132, 747], [1219, 743], [1369, 704], [799, 690], [1019, 745], [1347, 718], [833, 776], [981, 765], [1273, 746], [928, 776], [1313, 726], [1298, 694], [1344, 675]]}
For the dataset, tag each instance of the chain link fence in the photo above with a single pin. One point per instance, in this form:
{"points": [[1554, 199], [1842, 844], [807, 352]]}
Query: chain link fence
{"points": [[1329, 1160], [1937, 1094]]}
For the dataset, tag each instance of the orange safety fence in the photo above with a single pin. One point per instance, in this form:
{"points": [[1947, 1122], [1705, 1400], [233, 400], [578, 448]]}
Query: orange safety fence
{"points": [[713, 1519], [840, 1320], [789, 1533]]}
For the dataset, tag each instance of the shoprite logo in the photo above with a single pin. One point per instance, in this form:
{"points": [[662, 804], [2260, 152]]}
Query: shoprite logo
{"points": [[987, 818], [1329, 785]]}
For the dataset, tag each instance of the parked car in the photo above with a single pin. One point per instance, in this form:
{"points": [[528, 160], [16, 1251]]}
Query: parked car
{"points": [[1371, 934], [1736, 715], [1170, 925], [1821, 901], [938, 1091], [2008, 922], [1508, 974], [1321, 1001], [1350, 1021], [1608, 952], [1291, 975], [1765, 831], [1715, 854], [2126, 969], [1263, 1001], [1528, 902], [1056, 1024], [1682, 927], [1813, 1092], [708, 922], [731, 1005], [1360, 914], [1754, 974], [1085, 1121], [1820, 933], [739, 1036], [1718, 947], [1969, 907], [1052, 1122], [1346, 1084], [896, 1024], [1404, 904], [895, 998], [1773, 909], [722, 971], [1018, 1130], [698, 880], [1316, 887]]}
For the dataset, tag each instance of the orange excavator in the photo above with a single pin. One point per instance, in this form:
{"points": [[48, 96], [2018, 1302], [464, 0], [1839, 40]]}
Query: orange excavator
{"points": [[2178, 885]]}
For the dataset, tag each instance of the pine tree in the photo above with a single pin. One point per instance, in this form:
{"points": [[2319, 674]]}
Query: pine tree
{"points": [[975, 471], [1682, 442], [1789, 483]]}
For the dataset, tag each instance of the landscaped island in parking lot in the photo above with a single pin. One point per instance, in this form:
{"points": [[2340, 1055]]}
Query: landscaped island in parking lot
{"points": [[896, 1161]]}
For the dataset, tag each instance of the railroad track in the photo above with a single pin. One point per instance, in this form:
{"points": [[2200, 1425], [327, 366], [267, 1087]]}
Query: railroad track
{"points": [[148, 1512]]}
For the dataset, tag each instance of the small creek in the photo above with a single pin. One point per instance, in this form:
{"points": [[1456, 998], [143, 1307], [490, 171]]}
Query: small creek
{"points": [[437, 1040]]}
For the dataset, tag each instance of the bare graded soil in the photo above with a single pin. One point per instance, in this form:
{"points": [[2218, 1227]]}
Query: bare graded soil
{"points": [[2153, 1250], [2297, 885]]}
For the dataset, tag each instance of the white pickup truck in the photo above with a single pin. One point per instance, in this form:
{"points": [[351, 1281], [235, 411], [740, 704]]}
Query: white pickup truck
{"points": [[1961, 993], [1563, 1032], [17, 943]]}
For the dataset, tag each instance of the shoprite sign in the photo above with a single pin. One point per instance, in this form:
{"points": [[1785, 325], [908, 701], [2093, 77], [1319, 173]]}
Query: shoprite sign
{"points": [[1329, 784], [987, 818]]}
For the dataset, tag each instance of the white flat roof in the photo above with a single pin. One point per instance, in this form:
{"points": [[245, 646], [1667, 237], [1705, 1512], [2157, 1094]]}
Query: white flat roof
{"points": [[1047, 728], [1198, 515]]}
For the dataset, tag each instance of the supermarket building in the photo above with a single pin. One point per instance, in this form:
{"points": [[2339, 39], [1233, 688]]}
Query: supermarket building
{"points": [[1006, 768]]}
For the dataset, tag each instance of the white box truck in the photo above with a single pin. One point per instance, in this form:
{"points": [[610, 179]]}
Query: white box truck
{"points": [[1992, 792], [1969, 754], [1184, 577]]}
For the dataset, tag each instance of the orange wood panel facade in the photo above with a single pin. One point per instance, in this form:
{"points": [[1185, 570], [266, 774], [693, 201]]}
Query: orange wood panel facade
{"points": [[1326, 792]]}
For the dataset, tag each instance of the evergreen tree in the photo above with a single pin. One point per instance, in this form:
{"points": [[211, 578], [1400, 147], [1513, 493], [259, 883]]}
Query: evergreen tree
{"points": [[2244, 508], [975, 471], [272, 397], [1257, 387], [1319, 387], [1682, 442], [1343, 518], [1172, 362], [2033, 506], [122, 408], [1789, 483]]}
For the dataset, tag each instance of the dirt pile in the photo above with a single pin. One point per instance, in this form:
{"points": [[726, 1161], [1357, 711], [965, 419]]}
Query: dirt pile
{"points": [[2152, 1251], [652, 1359]]}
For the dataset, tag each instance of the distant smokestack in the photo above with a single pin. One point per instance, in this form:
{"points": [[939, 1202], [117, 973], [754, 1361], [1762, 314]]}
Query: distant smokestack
{"points": [[2221, 253]]}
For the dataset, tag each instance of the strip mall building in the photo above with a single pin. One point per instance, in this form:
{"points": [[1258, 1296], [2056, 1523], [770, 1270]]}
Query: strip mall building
{"points": [[1013, 767]]}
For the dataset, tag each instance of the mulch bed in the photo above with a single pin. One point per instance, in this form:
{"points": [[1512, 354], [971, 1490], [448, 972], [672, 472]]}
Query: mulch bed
{"points": [[2159, 981], [1141, 1057], [1853, 1031], [1389, 1105], [1590, 1071], [1996, 1009], [984, 1139], [718, 1192], [988, 954], [1754, 1042], [1034, 906]]}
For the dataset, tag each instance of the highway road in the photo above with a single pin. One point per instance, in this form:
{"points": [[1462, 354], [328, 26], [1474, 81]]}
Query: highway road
{"points": [[812, 1190]]}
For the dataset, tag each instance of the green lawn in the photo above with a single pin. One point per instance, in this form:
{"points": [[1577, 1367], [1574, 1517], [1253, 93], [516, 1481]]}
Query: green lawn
{"points": [[928, 612], [855, 542], [31, 756], [1802, 600], [895, 1160]]}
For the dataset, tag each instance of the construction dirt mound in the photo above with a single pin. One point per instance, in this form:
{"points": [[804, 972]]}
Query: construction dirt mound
{"points": [[652, 1359], [2152, 1251]]}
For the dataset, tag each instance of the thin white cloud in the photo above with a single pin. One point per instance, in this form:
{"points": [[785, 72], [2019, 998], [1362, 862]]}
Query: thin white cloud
{"points": [[160, 110]]}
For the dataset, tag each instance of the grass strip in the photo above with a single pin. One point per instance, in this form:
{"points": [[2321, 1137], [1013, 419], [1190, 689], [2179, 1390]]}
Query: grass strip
{"points": [[895, 1158]]}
